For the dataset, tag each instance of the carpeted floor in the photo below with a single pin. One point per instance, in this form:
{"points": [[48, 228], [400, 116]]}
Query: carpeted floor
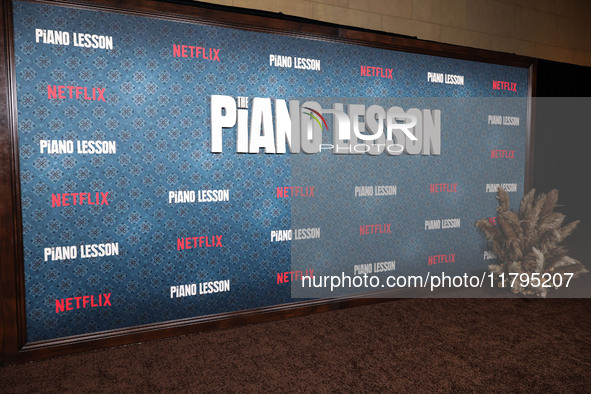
{"points": [[524, 345], [444, 345]]}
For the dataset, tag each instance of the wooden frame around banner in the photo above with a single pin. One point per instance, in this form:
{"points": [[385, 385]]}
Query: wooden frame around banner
{"points": [[13, 342]]}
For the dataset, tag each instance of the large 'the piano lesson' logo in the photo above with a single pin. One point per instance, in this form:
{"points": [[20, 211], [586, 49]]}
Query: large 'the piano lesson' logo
{"points": [[273, 125]]}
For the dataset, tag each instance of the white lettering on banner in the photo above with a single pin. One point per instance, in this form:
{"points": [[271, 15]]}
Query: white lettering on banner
{"points": [[85, 40], [300, 127]]}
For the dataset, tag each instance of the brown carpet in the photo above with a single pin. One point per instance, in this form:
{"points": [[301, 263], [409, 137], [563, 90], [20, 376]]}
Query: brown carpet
{"points": [[406, 345], [424, 345]]}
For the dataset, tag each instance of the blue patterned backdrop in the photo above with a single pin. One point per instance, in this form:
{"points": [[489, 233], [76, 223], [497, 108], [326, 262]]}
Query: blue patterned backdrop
{"points": [[157, 110]]}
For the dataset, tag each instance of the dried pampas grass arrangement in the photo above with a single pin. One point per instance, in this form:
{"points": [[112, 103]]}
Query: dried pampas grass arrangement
{"points": [[528, 242]]}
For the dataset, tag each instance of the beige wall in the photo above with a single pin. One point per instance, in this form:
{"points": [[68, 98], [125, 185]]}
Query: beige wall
{"points": [[557, 30]]}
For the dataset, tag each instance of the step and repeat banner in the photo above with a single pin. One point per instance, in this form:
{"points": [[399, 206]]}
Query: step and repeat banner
{"points": [[172, 170]]}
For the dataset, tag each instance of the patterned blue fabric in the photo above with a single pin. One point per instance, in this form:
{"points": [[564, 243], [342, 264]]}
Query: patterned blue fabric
{"points": [[157, 110]]}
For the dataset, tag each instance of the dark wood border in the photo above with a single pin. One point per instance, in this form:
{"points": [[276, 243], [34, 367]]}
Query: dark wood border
{"points": [[88, 342], [13, 344], [12, 308]]}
